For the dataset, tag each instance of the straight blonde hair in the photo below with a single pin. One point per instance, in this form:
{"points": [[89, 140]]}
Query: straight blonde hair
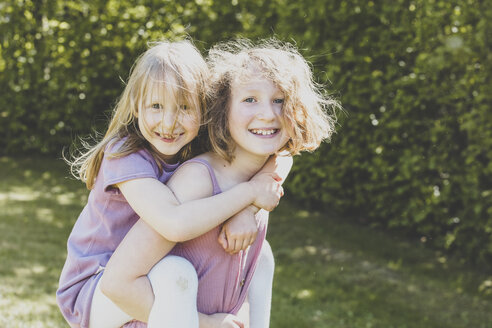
{"points": [[179, 60]]}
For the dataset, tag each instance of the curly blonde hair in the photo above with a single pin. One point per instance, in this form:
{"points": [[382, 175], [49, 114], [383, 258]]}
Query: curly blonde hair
{"points": [[308, 114], [175, 68]]}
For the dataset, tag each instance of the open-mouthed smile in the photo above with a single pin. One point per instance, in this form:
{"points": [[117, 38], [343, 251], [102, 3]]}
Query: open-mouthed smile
{"points": [[168, 137], [264, 132]]}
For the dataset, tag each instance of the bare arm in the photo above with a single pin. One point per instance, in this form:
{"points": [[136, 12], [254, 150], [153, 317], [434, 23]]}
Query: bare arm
{"points": [[124, 279], [157, 205], [281, 165], [241, 230]]}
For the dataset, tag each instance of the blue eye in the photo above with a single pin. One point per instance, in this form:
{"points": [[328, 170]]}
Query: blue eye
{"points": [[278, 101], [250, 100], [156, 106]]}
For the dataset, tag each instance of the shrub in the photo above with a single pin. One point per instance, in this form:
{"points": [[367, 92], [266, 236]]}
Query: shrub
{"points": [[413, 152]]}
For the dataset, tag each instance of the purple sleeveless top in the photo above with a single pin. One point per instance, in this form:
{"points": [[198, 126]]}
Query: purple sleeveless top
{"points": [[223, 279]]}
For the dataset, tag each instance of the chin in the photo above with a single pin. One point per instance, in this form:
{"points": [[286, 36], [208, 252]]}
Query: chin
{"points": [[266, 152]]}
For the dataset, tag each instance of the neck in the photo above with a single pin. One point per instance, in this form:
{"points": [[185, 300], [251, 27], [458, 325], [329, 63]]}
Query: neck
{"points": [[243, 167], [246, 165]]}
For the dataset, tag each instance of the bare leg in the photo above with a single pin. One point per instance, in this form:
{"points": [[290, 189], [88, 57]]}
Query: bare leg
{"points": [[260, 290], [148, 285]]}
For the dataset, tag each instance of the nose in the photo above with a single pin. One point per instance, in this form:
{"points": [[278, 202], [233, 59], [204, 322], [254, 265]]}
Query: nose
{"points": [[266, 112], [168, 121]]}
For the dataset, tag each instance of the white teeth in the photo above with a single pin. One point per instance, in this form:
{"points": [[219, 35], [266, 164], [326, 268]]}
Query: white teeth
{"points": [[167, 136], [263, 132]]}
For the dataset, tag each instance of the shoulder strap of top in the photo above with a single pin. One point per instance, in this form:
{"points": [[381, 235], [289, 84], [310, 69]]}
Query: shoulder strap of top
{"points": [[210, 171]]}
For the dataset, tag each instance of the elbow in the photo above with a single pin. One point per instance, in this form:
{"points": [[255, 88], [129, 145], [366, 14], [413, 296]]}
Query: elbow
{"points": [[175, 231], [174, 235], [283, 165], [170, 229], [288, 161], [171, 226]]}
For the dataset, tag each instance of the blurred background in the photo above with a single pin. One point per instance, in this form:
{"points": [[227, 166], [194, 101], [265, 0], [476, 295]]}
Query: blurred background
{"points": [[411, 159]]}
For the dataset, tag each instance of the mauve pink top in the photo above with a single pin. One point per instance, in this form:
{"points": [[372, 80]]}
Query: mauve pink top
{"points": [[106, 219], [223, 279]]}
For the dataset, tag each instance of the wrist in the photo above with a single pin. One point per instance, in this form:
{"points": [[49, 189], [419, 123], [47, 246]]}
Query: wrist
{"points": [[253, 209], [251, 186]]}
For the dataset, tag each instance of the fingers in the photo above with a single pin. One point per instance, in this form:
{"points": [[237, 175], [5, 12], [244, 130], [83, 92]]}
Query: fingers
{"points": [[245, 244], [234, 245], [251, 240], [223, 240], [239, 323], [253, 237], [276, 177], [224, 320]]}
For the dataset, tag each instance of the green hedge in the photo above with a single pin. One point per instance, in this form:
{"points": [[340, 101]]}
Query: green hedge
{"points": [[413, 150]]}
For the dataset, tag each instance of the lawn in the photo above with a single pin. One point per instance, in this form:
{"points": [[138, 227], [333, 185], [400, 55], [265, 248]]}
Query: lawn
{"points": [[329, 273]]}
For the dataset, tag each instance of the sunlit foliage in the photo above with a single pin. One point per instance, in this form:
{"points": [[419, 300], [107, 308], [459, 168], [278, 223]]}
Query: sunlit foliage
{"points": [[413, 152]]}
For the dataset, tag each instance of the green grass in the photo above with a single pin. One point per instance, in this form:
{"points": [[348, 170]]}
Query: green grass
{"points": [[333, 274], [38, 205], [329, 273]]}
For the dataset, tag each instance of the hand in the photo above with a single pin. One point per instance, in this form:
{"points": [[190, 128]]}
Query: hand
{"points": [[224, 320], [268, 190], [239, 231]]}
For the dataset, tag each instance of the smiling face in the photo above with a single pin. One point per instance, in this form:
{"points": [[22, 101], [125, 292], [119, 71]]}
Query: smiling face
{"points": [[255, 116], [167, 122]]}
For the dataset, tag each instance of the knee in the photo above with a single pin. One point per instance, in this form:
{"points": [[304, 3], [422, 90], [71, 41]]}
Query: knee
{"points": [[174, 272]]}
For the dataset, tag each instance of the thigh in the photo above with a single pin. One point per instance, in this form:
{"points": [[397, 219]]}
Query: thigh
{"points": [[137, 253], [125, 276]]}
